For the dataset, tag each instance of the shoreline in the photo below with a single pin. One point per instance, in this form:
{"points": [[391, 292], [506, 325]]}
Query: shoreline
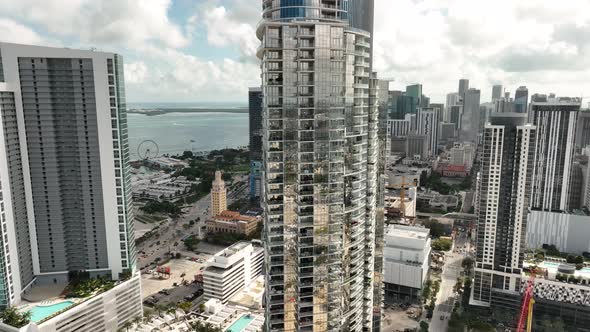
{"points": [[152, 112]]}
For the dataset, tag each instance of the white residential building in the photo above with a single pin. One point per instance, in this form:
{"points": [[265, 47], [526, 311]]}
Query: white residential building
{"points": [[428, 126], [406, 260], [65, 186], [231, 270]]}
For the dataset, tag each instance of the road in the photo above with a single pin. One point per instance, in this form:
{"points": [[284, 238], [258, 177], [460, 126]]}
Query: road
{"points": [[468, 201], [170, 234], [446, 296]]}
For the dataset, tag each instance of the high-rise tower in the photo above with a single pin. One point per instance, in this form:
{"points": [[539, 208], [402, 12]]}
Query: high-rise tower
{"points": [[470, 119], [521, 99], [503, 192], [320, 160], [556, 122], [496, 92], [65, 186], [218, 195], [463, 87]]}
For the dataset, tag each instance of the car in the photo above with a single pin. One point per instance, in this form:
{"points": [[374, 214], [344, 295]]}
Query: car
{"points": [[164, 292], [442, 317]]}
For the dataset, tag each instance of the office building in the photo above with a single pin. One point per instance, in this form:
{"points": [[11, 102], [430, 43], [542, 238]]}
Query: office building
{"points": [[440, 110], [556, 124], [504, 191], [447, 131], [463, 87], [65, 186], [502, 105], [406, 262], [424, 101], [414, 91], [218, 195], [583, 129], [470, 118], [399, 128], [539, 98], [452, 100], [496, 92], [521, 98], [428, 126], [417, 147], [255, 144], [320, 158], [456, 116], [231, 270], [462, 154], [401, 105]]}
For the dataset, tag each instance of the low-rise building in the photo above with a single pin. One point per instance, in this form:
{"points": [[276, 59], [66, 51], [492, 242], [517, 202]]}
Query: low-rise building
{"points": [[454, 171], [233, 222], [394, 206], [406, 260], [166, 163], [437, 201], [106, 311], [232, 269]]}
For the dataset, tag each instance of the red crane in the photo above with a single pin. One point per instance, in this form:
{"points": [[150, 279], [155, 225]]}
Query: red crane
{"points": [[526, 310]]}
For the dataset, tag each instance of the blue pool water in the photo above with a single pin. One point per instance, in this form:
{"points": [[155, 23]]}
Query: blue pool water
{"points": [[240, 324], [40, 312]]}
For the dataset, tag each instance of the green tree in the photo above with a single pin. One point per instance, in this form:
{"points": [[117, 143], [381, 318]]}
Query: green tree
{"points": [[424, 326], [549, 325], [11, 316], [467, 263], [442, 244], [185, 306], [436, 228]]}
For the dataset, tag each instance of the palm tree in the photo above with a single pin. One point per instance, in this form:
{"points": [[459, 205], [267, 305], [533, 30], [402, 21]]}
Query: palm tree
{"points": [[12, 317], [138, 320]]}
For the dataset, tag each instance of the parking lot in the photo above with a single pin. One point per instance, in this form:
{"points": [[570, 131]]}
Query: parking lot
{"points": [[397, 319], [191, 292], [181, 270]]}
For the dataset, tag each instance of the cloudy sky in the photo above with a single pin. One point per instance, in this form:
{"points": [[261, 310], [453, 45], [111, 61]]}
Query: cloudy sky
{"points": [[204, 50]]}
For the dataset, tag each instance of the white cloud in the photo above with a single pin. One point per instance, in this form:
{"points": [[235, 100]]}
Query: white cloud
{"points": [[436, 42], [124, 22], [224, 30], [136, 72], [13, 32], [543, 44]]}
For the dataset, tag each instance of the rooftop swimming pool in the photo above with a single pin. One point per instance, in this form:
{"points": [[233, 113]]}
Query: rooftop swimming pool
{"points": [[240, 324], [40, 312]]}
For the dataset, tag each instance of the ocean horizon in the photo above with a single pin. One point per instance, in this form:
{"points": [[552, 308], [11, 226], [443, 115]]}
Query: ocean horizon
{"points": [[175, 132]]}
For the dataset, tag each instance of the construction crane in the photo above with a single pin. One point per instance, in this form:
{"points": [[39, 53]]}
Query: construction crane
{"points": [[526, 310], [402, 197]]}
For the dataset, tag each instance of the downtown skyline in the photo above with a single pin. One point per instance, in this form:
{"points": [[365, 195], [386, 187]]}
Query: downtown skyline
{"points": [[182, 43]]}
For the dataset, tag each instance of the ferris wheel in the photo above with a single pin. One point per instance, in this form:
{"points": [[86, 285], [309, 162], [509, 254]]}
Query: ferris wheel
{"points": [[148, 149]]}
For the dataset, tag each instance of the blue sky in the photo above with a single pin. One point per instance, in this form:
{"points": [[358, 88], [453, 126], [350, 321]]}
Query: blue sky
{"points": [[204, 50]]}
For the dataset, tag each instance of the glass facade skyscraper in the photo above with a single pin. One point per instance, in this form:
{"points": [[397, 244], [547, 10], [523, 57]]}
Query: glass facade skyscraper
{"points": [[320, 164]]}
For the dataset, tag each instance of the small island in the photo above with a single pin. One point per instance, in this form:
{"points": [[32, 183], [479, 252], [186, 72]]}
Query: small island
{"points": [[160, 111]]}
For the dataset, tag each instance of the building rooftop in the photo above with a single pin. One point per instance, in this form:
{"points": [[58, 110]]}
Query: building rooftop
{"points": [[412, 232]]}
